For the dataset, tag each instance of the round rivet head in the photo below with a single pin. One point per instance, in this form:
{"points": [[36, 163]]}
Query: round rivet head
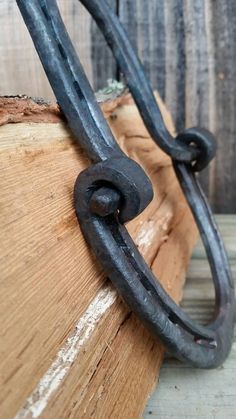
{"points": [[105, 201]]}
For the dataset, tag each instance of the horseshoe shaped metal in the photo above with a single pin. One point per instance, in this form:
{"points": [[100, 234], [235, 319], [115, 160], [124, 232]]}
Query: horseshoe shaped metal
{"points": [[115, 189]]}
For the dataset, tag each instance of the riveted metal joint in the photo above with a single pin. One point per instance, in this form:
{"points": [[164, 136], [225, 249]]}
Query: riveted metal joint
{"points": [[117, 185]]}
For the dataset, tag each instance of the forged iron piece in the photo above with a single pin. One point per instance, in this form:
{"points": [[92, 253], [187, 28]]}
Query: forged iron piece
{"points": [[115, 189]]}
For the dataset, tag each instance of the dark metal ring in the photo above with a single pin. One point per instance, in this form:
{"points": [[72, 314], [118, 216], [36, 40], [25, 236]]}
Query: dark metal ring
{"points": [[204, 141], [115, 184], [101, 197]]}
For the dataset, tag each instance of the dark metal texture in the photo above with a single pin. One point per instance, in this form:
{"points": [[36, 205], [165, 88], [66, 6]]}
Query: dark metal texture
{"points": [[115, 189]]}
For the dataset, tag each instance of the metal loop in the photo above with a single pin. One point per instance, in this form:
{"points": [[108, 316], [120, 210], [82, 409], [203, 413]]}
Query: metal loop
{"points": [[205, 143], [204, 347], [116, 184]]}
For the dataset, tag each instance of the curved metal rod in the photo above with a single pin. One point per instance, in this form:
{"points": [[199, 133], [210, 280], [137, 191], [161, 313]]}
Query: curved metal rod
{"points": [[102, 194], [67, 78], [204, 347], [137, 81]]}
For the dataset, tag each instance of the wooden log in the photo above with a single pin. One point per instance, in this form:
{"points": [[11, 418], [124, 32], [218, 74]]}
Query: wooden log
{"points": [[69, 346]]}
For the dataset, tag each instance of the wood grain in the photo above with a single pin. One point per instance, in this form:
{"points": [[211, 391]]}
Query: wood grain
{"points": [[195, 74], [103, 64], [185, 392], [21, 71], [189, 54], [69, 345]]}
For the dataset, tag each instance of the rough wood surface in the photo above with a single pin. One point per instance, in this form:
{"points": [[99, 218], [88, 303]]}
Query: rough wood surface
{"points": [[69, 347], [184, 392], [188, 51]]}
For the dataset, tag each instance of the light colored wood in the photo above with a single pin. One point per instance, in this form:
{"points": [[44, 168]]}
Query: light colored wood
{"points": [[188, 51], [21, 70], [185, 392], [69, 346]]}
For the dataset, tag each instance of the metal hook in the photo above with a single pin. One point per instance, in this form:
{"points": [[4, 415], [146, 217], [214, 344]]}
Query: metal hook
{"points": [[102, 192]]}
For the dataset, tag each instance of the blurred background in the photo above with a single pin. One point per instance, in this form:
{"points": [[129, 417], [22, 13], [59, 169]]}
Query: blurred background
{"points": [[188, 48]]}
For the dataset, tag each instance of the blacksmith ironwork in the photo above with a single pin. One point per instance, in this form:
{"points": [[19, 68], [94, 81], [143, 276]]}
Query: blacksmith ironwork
{"points": [[115, 189]]}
